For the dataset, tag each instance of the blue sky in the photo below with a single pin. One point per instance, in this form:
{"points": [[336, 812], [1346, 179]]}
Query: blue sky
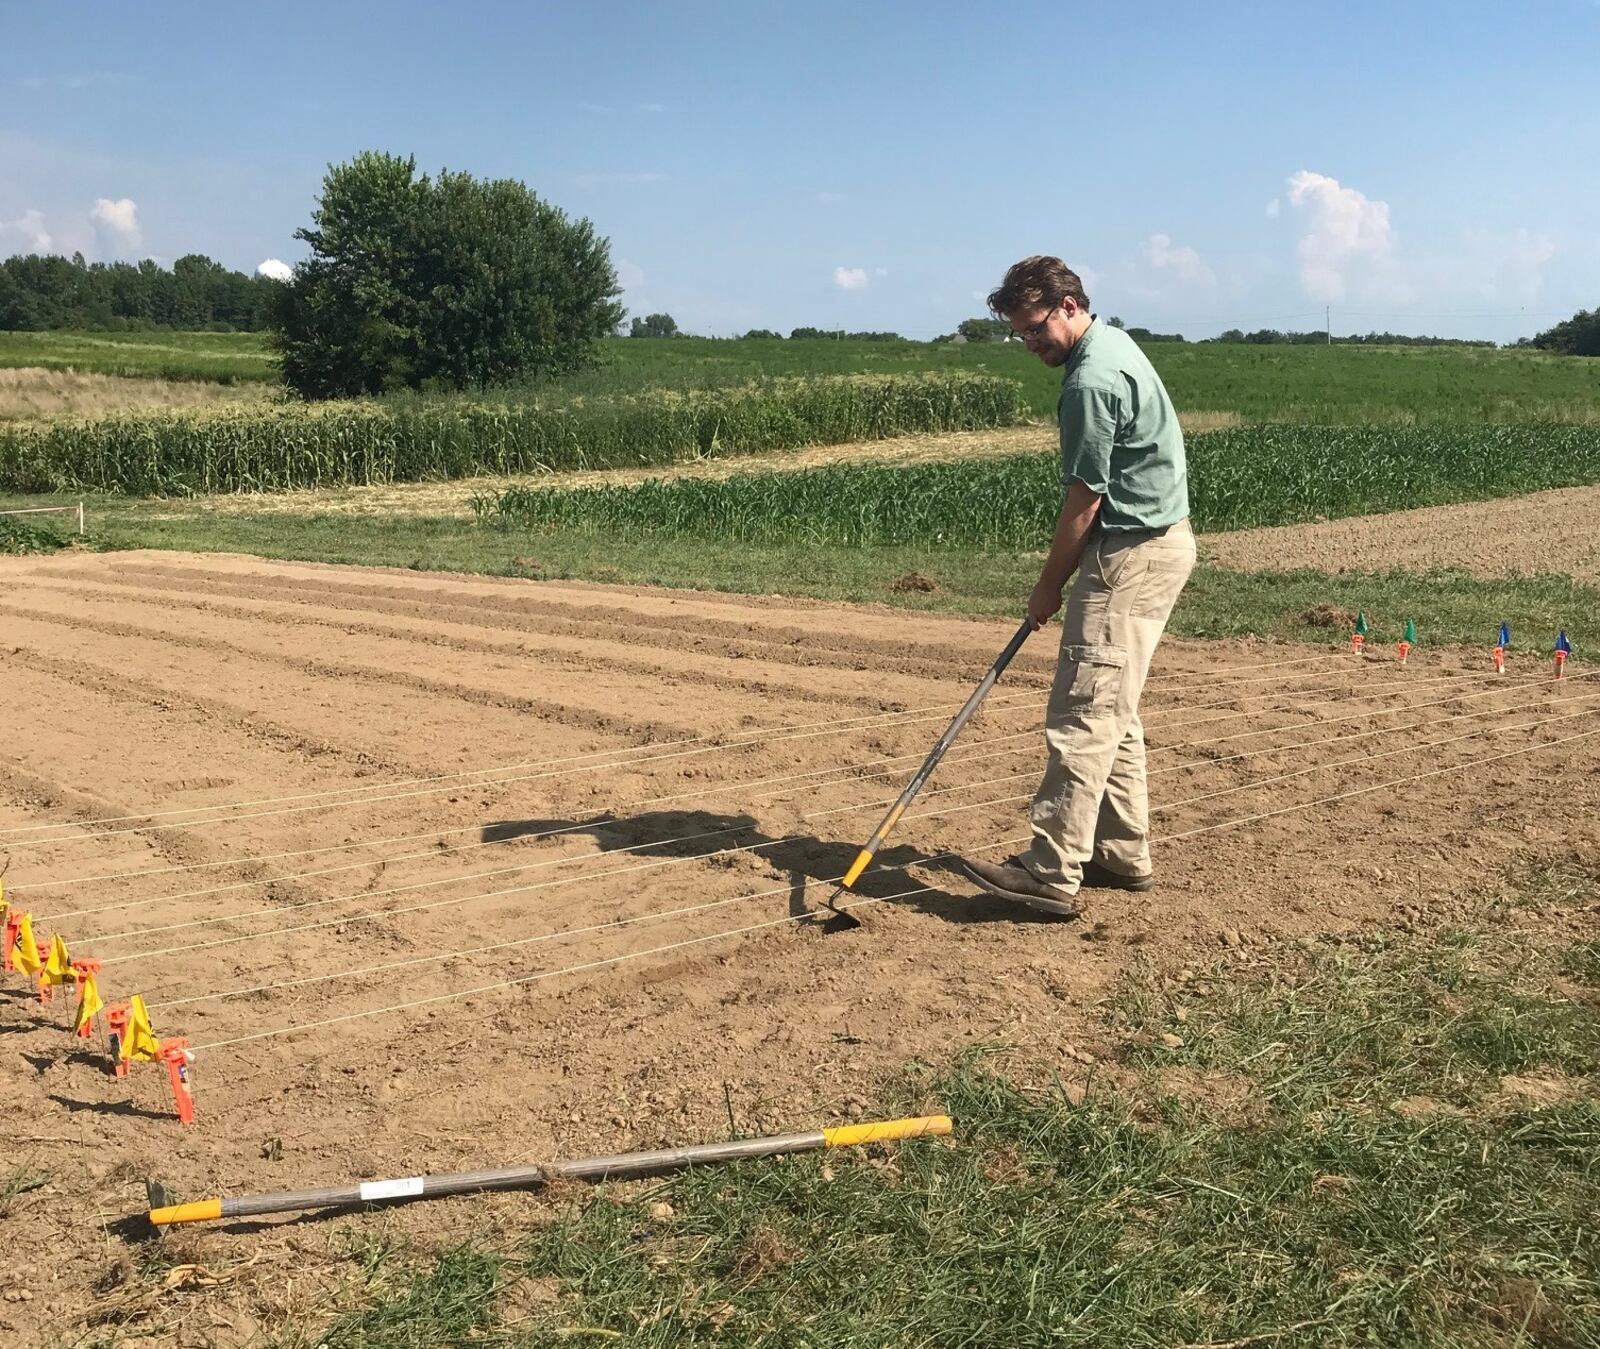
{"points": [[1418, 166]]}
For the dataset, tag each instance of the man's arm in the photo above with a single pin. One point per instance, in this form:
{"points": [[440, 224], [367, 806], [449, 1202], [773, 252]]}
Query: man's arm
{"points": [[1077, 516]]}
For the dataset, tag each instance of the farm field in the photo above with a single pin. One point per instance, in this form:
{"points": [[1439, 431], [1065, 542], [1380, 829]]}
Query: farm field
{"points": [[504, 801], [525, 863], [1344, 385], [223, 358]]}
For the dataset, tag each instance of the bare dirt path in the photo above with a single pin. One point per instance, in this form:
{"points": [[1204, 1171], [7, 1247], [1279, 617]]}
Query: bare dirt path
{"points": [[318, 836]]}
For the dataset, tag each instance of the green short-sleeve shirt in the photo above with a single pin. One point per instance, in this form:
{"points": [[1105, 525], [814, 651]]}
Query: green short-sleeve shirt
{"points": [[1119, 433]]}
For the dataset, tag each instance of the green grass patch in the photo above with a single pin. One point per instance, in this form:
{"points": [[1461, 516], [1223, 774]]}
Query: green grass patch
{"points": [[223, 358], [1331, 1159], [17, 537], [1316, 385], [272, 448], [1262, 475]]}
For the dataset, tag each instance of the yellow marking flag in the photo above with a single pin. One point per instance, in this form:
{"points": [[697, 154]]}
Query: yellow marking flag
{"points": [[140, 1045], [58, 964], [89, 1003], [26, 956]]}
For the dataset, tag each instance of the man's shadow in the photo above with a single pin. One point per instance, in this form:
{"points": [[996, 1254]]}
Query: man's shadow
{"points": [[805, 861]]}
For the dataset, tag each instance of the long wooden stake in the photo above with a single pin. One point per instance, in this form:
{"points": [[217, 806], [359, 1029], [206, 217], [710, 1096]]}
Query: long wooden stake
{"points": [[615, 1167]]}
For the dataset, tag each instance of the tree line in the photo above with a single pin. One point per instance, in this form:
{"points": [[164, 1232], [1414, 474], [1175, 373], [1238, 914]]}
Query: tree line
{"points": [[1576, 336], [196, 294]]}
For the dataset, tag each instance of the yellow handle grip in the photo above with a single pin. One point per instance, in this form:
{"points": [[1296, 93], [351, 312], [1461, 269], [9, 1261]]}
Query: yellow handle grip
{"points": [[856, 868], [201, 1211], [884, 1131]]}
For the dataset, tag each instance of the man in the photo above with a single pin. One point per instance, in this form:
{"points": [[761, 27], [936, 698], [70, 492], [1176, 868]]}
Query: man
{"points": [[1124, 530]]}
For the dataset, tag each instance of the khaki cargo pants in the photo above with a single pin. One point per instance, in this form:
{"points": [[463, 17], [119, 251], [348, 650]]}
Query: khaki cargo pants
{"points": [[1092, 802]]}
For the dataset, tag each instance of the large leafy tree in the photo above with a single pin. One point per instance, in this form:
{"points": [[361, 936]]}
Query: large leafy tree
{"points": [[1577, 336], [450, 282], [654, 325]]}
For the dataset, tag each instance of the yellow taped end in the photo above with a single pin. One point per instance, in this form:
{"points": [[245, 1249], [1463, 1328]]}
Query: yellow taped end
{"points": [[201, 1211], [886, 1131], [856, 868]]}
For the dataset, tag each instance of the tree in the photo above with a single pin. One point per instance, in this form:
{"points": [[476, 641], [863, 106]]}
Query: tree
{"points": [[1576, 336], [984, 330], [654, 325], [766, 333], [450, 282]]}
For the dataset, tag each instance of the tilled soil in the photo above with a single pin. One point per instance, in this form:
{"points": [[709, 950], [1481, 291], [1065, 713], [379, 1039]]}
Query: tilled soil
{"points": [[1541, 533], [440, 872]]}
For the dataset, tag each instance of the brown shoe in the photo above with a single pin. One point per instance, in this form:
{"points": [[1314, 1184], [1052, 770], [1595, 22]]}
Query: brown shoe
{"points": [[1011, 880], [1104, 878]]}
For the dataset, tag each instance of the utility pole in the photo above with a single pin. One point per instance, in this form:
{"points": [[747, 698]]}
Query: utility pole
{"points": [[1327, 321]]}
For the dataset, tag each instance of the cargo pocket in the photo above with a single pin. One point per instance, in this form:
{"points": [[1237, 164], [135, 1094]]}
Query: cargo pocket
{"points": [[1089, 681]]}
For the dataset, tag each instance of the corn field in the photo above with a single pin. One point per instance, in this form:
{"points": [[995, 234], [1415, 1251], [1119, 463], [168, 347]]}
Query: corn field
{"points": [[1240, 477], [298, 446]]}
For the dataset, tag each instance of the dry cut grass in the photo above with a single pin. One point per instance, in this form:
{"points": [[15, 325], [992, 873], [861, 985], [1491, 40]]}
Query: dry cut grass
{"points": [[34, 394]]}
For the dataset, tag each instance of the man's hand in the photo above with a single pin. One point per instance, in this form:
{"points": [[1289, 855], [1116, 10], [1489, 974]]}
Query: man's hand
{"points": [[1043, 603], [1077, 517]]}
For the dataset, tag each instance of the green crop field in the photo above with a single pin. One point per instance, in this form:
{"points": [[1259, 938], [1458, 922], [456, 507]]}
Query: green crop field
{"points": [[1342, 385], [278, 447], [1265, 475], [1324, 385]]}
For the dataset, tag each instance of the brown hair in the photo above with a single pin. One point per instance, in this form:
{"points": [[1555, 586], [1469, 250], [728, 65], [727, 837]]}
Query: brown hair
{"points": [[1037, 280]]}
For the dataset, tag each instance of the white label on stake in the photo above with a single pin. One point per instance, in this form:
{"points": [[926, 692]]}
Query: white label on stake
{"points": [[391, 1189]]}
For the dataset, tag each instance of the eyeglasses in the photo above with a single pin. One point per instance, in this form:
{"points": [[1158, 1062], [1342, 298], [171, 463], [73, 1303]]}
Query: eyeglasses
{"points": [[1037, 330]]}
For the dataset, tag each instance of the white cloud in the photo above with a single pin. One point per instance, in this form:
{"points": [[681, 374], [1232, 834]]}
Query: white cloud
{"points": [[1506, 269], [880, 272], [850, 278], [630, 276], [30, 228], [275, 269], [1348, 234], [1179, 261], [117, 223]]}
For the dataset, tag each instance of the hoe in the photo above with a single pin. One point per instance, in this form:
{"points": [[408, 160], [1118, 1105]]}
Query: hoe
{"points": [[843, 919]]}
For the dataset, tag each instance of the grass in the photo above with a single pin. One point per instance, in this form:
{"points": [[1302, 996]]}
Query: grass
{"points": [[1382, 1141], [1323, 385], [19, 537], [223, 358], [35, 395]]}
